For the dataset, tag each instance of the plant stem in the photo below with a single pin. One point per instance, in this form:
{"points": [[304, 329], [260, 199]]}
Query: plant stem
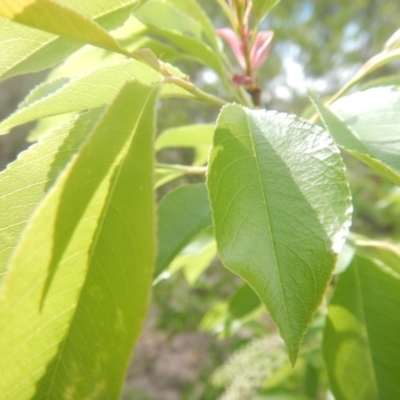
{"points": [[187, 169], [255, 93], [198, 93]]}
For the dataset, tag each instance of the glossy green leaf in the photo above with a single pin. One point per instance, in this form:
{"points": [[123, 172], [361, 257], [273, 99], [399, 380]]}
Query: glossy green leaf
{"points": [[86, 258], [25, 182], [355, 122], [281, 208], [26, 49], [56, 18], [86, 91], [183, 28], [182, 215], [361, 338], [197, 136], [262, 7]]}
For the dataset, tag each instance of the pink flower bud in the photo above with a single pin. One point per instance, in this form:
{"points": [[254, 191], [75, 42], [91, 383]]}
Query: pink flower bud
{"points": [[234, 43], [260, 50]]}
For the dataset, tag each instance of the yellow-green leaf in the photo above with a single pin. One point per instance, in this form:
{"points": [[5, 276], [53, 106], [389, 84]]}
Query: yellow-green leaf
{"points": [[94, 88], [25, 182], [86, 258], [25, 49], [262, 7], [56, 18], [183, 28]]}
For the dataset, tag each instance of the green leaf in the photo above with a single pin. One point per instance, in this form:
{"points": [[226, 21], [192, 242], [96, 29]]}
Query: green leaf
{"points": [[281, 208], [86, 258], [364, 112], [186, 136], [90, 57], [243, 302], [193, 10], [182, 29], [165, 175], [262, 7], [345, 256], [195, 258], [182, 215], [380, 252], [361, 337], [244, 306], [26, 49], [227, 318], [214, 319], [86, 91], [374, 63], [195, 264], [355, 122], [197, 136], [56, 18], [25, 182], [46, 125], [391, 80]]}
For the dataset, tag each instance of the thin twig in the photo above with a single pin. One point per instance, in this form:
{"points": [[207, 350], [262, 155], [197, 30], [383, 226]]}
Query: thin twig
{"points": [[200, 95], [187, 169]]}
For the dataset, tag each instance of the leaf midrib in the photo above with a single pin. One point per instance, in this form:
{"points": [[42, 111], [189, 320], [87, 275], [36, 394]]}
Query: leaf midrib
{"points": [[269, 228]]}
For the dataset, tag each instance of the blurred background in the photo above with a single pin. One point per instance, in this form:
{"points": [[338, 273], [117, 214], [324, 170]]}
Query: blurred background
{"points": [[318, 44]]}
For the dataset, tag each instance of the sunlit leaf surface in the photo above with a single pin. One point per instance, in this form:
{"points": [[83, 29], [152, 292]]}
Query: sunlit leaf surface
{"points": [[27, 49], [25, 182], [91, 89], [56, 18], [86, 258]]}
